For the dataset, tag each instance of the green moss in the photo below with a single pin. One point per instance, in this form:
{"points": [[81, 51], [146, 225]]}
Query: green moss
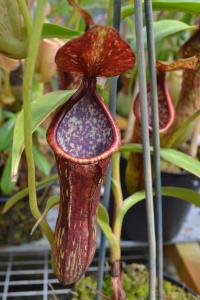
{"points": [[85, 289], [135, 283]]}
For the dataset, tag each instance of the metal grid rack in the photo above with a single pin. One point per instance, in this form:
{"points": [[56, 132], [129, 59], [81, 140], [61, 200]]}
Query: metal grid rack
{"points": [[26, 274], [25, 271]]}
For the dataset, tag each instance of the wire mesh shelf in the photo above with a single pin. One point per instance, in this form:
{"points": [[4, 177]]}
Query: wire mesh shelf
{"points": [[27, 274], [25, 271]]}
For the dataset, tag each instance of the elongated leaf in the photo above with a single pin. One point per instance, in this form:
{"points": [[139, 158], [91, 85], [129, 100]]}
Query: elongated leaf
{"points": [[41, 109], [131, 201], [165, 28], [182, 193], [131, 147], [51, 202], [17, 146], [41, 161], [175, 157], [174, 139], [103, 214], [181, 160], [55, 31], [103, 221], [188, 6], [176, 192], [23, 193], [11, 41], [7, 185], [6, 134]]}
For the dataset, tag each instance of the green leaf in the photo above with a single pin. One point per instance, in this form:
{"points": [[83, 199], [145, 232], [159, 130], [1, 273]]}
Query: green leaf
{"points": [[163, 29], [55, 31], [130, 201], [131, 147], [6, 134], [103, 221], [187, 6], [41, 109], [176, 192], [11, 41], [182, 193], [7, 185], [103, 214], [41, 161], [23, 193], [181, 160], [177, 136], [51, 202], [175, 157]]}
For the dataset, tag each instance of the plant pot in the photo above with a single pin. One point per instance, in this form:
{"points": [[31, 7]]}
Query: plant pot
{"points": [[180, 284], [17, 224], [174, 210]]}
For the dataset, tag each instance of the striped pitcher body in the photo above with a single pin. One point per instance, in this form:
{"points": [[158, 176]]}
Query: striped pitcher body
{"points": [[83, 136], [76, 228]]}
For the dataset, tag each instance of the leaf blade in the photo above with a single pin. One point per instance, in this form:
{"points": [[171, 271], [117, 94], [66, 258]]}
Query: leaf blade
{"points": [[103, 221], [6, 130], [6, 184], [41, 161], [187, 6], [182, 193], [51, 30], [51, 202], [130, 201], [170, 191], [163, 29], [41, 109], [174, 139], [173, 156], [23, 193]]}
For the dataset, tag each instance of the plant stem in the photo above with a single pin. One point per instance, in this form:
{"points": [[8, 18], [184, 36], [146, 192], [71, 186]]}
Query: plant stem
{"points": [[118, 201], [109, 12], [27, 89], [115, 252], [27, 19]]}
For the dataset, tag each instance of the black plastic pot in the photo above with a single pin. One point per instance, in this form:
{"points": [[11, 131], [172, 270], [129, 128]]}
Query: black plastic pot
{"points": [[181, 285], [174, 210]]}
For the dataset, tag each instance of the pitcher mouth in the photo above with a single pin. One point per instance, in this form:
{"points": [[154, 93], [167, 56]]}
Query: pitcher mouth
{"points": [[165, 106], [83, 131]]}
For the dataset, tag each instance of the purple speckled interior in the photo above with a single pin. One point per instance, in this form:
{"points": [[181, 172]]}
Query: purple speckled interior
{"points": [[162, 107], [85, 131]]}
